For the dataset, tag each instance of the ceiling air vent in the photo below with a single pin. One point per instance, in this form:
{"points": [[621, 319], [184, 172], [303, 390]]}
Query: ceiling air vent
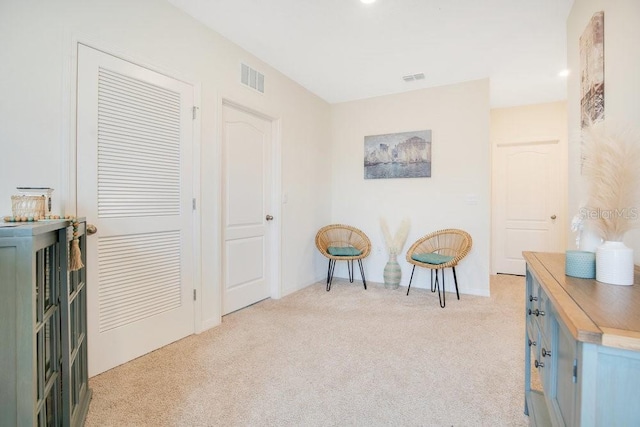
{"points": [[252, 78], [412, 77]]}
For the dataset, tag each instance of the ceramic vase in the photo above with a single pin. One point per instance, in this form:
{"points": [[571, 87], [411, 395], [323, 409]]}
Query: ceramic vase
{"points": [[392, 273], [614, 263]]}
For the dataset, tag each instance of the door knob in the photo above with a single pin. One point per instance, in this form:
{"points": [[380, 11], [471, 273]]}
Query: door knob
{"points": [[269, 218], [553, 216], [91, 229]]}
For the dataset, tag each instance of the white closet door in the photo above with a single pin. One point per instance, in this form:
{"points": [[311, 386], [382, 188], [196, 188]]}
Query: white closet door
{"points": [[134, 183]]}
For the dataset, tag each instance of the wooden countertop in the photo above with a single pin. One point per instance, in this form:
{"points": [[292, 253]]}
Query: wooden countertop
{"points": [[593, 312]]}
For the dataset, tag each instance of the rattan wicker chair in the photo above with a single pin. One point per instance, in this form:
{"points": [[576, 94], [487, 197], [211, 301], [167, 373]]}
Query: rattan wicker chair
{"points": [[340, 242], [437, 251]]}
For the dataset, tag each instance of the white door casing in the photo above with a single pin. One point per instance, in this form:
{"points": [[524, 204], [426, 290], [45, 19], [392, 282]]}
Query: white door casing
{"points": [[247, 187], [527, 203], [134, 183]]}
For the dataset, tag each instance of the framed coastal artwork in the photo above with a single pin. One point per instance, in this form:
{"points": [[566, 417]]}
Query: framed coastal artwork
{"points": [[398, 155]]}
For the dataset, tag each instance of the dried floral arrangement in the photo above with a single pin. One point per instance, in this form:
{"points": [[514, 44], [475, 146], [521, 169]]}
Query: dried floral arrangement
{"points": [[396, 242], [611, 165]]}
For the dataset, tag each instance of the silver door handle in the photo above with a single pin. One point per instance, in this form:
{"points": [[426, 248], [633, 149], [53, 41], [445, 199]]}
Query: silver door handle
{"points": [[553, 217], [269, 218], [91, 229]]}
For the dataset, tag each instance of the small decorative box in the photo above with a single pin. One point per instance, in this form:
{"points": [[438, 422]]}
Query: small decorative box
{"points": [[580, 264], [27, 207]]}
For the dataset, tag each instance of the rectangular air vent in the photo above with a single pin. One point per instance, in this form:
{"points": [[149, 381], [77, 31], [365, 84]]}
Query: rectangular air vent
{"points": [[412, 77], [252, 78]]}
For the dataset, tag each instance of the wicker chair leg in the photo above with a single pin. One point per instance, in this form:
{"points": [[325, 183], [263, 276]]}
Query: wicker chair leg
{"points": [[364, 281], [455, 279], [412, 270]]}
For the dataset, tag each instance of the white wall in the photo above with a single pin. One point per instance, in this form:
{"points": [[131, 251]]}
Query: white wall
{"points": [[622, 82], [458, 116], [36, 114], [532, 123], [529, 123]]}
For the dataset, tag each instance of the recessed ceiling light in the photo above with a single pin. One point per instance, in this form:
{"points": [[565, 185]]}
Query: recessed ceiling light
{"points": [[564, 73], [367, 1]]}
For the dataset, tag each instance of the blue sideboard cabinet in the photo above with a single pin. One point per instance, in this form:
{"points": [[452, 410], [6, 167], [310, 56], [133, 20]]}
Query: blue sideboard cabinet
{"points": [[582, 348], [43, 356]]}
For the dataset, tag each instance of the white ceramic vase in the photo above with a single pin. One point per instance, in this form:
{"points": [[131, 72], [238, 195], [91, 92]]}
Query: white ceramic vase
{"points": [[614, 263]]}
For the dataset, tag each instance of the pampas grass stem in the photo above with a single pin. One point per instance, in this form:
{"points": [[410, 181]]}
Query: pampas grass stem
{"points": [[396, 242]]}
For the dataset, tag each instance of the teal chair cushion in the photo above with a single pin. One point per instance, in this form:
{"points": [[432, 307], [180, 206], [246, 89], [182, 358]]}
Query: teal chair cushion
{"points": [[432, 258], [343, 251]]}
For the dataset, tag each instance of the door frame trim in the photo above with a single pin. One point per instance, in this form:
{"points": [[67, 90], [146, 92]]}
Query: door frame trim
{"points": [[275, 269], [68, 161]]}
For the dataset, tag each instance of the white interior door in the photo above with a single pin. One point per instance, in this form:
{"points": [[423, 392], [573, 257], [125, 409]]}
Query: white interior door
{"points": [[527, 209], [246, 196], [134, 183]]}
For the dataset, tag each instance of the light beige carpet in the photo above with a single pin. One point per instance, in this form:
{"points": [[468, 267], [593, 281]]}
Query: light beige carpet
{"points": [[348, 357]]}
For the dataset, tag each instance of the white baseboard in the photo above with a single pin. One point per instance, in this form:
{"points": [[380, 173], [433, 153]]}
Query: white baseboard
{"points": [[209, 324], [313, 282], [475, 291]]}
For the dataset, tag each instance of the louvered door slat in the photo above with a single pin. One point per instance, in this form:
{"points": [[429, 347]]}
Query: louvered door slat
{"points": [[157, 134], [119, 296], [138, 176], [134, 276], [136, 85], [117, 299], [136, 109], [137, 271], [139, 141], [116, 148], [143, 147], [121, 161], [130, 114], [136, 93], [133, 257]]}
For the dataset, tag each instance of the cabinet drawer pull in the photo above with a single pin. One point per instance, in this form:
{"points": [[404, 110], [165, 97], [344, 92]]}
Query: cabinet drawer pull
{"points": [[546, 352], [539, 364], [532, 343], [532, 298], [538, 312]]}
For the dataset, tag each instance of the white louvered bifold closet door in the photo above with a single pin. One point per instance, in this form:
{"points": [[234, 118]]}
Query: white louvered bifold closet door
{"points": [[134, 184]]}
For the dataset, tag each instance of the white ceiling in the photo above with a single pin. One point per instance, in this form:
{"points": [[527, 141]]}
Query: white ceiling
{"points": [[343, 50]]}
